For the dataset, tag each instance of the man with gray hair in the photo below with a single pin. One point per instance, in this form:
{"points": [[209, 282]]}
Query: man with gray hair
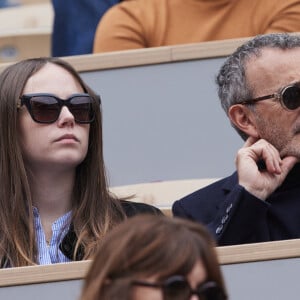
{"points": [[259, 89]]}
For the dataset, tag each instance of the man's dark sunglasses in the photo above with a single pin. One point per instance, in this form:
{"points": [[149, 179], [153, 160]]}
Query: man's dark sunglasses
{"points": [[289, 97], [45, 108], [177, 288]]}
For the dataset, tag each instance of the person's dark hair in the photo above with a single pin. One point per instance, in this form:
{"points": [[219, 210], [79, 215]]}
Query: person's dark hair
{"points": [[146, 246], [94, 210], [232, 83]]}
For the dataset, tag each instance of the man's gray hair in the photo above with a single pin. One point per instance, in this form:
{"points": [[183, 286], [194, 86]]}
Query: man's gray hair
{"points": [[231, 80]]}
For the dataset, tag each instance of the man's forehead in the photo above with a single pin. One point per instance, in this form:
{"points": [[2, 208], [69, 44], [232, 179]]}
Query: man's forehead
{"points": [[273, 68], [275, 55]]}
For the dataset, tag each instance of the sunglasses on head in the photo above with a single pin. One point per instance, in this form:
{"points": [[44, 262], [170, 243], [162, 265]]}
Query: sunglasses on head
{"points": [[289, 97], [46, 108], [177, 288]]}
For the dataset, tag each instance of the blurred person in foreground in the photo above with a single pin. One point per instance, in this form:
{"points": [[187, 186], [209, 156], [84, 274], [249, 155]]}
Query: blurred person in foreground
{"points": [[155, 258]]}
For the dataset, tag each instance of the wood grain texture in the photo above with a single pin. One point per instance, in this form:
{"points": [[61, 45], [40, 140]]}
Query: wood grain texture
{"points": [[148, 56], [77, 270], [259, 251]]}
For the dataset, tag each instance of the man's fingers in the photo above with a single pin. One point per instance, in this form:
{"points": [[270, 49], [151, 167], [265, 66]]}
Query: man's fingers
{"points": [[288, 163], [272, 159], [261, 150], [250, 141]]}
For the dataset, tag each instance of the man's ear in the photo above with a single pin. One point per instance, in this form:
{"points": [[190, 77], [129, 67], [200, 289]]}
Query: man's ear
{"points": [[242, 117]]}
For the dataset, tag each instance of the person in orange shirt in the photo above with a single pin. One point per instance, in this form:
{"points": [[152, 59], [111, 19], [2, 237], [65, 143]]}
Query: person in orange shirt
{"points": [[135, 24]]}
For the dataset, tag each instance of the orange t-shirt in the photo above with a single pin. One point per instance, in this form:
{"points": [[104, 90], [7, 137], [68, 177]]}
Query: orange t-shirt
{"points": [[136, 24]]}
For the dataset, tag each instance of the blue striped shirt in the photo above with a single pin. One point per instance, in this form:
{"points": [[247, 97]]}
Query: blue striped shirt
{"points": [[50, 253]]}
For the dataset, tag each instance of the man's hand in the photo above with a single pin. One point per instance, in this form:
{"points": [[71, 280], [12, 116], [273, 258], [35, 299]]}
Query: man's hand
{"points": [[262, 183]]}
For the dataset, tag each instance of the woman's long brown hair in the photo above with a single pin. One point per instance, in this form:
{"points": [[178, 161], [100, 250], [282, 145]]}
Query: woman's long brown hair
{"points": [[146, 246], [94, 210]]}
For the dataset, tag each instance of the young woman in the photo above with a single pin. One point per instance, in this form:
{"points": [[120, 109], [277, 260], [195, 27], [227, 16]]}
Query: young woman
{"points": [[155, 258], [54, 201]]}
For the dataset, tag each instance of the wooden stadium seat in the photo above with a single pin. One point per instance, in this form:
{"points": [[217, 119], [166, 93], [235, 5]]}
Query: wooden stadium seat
{"points": [[161, 194], [26, 2], [29, 16], [26, 44], [25, 32]]}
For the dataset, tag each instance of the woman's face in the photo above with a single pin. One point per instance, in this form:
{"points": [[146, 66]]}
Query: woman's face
{"points": [[195, 277], [62, 144]]}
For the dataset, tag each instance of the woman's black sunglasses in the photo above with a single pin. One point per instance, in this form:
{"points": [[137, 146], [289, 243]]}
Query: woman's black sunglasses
{"points": [[177, 288], [289, 97], [45, 108]]}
